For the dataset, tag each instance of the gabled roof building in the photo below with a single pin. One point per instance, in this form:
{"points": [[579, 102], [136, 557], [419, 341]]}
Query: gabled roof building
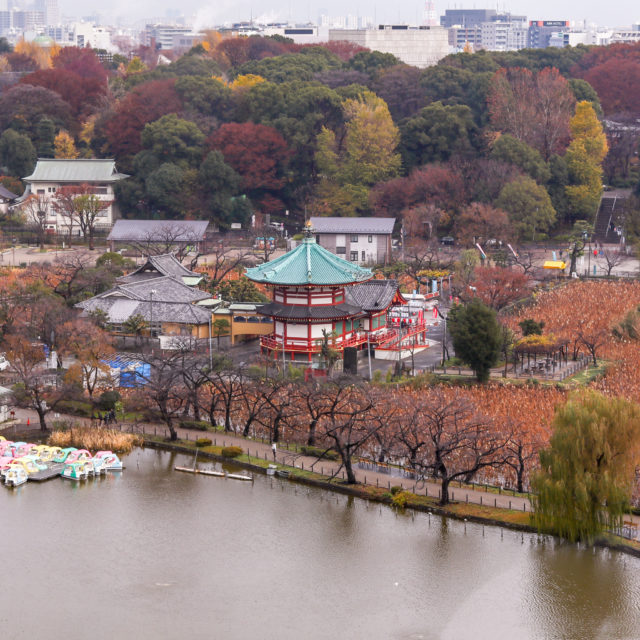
{"points": [[163, 265], [50, 175], [169, 306], [365, 241], [150, 234]]}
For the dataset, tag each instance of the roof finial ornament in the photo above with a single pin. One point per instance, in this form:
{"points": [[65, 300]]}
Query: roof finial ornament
{"points": [[308, 229]]}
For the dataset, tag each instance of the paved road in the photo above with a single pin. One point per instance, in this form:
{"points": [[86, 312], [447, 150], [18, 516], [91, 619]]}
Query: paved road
{"points": [[32, 255]]}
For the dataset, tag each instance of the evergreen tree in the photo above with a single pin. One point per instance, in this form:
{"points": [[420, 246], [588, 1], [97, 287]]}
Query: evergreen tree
{"points": [[587, 473], [45, 135], [17, 153], [476, 335]]}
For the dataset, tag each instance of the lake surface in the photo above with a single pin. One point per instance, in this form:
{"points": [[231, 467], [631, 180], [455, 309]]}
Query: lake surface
{"points": [[153, 553]]}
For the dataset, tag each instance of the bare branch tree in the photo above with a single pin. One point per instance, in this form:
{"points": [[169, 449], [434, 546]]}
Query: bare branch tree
{"points": [[36, 208]]}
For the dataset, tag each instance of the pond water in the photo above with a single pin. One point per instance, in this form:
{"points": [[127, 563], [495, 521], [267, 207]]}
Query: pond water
{"points": [[153, 553]]}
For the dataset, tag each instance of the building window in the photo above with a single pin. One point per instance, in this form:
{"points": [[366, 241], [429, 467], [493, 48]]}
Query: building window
{"points": [[370, 239], [40, 192], [342, 250], [354, 256], [317, 239], [364, 257], [354, 238]]}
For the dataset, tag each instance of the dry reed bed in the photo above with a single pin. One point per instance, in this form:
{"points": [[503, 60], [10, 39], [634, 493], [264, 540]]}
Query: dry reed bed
{"points": [[95, 439]]}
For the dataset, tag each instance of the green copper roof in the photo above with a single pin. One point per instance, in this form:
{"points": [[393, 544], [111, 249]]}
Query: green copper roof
{"points": [[309, 263]]}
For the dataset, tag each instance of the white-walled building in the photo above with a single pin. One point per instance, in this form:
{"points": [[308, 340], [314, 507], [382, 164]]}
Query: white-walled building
{"points": [[51, 175], [420, 46], [359, 240]]}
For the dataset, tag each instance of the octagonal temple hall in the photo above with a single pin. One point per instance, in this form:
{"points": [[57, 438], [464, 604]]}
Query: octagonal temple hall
{"points": [[316, 295]]}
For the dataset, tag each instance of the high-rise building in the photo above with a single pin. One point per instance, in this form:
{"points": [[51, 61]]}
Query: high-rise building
{"points": [[503, 36], [51, 13], [466, 17], [540, 32]]}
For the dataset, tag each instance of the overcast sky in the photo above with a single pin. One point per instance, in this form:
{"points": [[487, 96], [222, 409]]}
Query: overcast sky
{"points": [[602, 12]]}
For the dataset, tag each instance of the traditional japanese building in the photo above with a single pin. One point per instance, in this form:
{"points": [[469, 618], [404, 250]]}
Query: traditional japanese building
{"points": [[318, 296]]}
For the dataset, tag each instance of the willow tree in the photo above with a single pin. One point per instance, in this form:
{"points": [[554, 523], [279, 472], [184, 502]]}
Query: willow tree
{"points": [[587, 473]]}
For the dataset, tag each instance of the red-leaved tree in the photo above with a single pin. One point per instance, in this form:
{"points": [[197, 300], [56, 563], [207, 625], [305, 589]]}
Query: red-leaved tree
{"points": [[259, 154]]}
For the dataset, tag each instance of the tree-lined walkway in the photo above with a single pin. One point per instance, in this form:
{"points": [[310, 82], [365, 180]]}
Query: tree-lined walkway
{"points": [[289, 455]]}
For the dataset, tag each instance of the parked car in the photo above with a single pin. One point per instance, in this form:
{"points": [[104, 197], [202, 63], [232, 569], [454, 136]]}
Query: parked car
{"points": [[448, 240]]}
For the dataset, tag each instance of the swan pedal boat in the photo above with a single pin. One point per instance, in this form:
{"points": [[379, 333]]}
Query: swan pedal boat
{"points": [[15, 476]]}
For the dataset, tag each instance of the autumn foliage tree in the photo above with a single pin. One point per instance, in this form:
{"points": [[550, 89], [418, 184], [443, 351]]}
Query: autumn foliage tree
{"points": [[448, 439], [350, 166], [584, 158], [498, 287], [258, 154], [119, 133], [532, 107], [481, 222], [91, 347]]}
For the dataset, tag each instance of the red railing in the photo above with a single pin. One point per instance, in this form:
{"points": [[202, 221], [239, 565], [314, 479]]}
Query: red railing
{"points": [[393, 338], [269, 342]]}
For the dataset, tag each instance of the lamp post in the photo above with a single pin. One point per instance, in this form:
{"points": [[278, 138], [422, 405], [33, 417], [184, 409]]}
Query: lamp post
{"points": [[210, 348], [151, 294]]}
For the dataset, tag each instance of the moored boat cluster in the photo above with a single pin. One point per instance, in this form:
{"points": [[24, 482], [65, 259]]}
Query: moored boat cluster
{"points": [[23, 461]]}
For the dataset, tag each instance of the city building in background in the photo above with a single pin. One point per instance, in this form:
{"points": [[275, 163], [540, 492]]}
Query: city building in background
{"points": [[420, 47]]}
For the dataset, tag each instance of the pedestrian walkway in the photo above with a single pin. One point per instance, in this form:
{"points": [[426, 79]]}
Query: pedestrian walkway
{"points": [[288, 455]]}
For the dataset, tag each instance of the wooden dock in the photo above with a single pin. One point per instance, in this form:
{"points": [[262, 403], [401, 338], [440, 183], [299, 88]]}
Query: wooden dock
{"points": [[217, 474], [50, 472]]}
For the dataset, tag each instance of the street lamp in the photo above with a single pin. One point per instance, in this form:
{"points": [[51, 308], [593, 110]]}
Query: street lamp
{"points": [[151, 294]]}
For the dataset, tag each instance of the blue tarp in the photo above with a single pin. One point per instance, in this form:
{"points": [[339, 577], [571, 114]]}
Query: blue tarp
{"points": [[133, 373]]}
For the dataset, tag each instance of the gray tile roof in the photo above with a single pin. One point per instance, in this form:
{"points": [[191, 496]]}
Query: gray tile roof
{"points": [[166, 265], [302, 312], [159, 230], [79, 170], [119, 310], [173, 301], [374, 295], [334, 224], [165, 288], [6, 194]]}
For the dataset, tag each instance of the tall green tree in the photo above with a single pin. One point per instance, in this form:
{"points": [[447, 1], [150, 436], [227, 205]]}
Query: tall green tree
{"points": [[436, 133], [17, 153], [509, 149], [587, 473], [477, 337], [529, 207], [45, 135], [172, 139]]}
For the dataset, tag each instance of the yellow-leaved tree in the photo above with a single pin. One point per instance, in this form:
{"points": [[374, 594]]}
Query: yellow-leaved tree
{"points": [[136, 66], [65, 147], [584, 159], [351, 164], [245, 82], [40, 55]]}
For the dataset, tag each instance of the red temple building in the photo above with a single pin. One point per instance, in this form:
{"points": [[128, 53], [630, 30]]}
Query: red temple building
{"points": [[319, 297]]}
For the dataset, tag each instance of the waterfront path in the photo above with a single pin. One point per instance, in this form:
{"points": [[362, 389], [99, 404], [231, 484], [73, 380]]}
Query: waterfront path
{"points": [[286, 454]]}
